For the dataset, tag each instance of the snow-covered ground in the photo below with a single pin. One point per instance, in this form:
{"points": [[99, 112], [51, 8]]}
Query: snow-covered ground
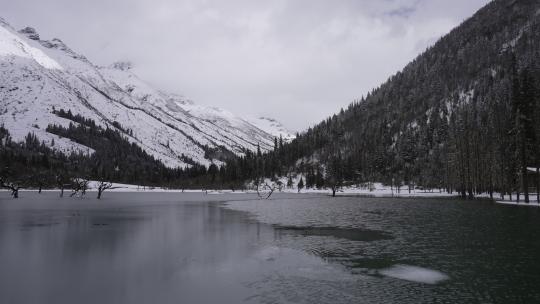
{"points": [[371, 189], [377, 190]]}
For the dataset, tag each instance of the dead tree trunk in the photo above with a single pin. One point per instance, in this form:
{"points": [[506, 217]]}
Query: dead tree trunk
{"points": [[15, 192], [524, 172], [265, 191], [61, 184], [102, 187]]}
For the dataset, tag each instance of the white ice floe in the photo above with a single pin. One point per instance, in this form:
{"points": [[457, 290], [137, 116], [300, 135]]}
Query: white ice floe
{"points": [[414, 274]]}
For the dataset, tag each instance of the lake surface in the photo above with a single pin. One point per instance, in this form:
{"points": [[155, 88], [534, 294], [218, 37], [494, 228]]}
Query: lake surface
{"points": [[194, 248]]}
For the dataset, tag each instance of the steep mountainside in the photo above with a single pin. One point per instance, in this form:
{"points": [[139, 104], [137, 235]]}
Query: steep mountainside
{"points": [[464, 115], [38, 77]]}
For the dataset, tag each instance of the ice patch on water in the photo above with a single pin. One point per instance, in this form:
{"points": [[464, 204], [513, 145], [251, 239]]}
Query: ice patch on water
{"points": [[414, 274], [291, 262]]}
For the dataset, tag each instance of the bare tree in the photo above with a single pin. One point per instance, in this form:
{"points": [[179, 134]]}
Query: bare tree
{"points": [[264, 191], [14, 187], [79, 187], [102, 186], [61, 183]]}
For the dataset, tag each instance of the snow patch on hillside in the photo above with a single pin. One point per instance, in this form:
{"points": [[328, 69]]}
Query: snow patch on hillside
{"points": [[273, 127]]}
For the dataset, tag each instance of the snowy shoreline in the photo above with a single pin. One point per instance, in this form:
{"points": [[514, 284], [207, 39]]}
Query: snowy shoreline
{"points": [[378, 191]]}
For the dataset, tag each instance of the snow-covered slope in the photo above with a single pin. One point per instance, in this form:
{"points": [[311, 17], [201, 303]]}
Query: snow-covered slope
{"points": [[273, 127], [37, 76]]}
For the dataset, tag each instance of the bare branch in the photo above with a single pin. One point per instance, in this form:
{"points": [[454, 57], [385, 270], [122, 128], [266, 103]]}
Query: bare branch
{"points": [[266, 190], [14, 187], [79, 187], [102, 186]]}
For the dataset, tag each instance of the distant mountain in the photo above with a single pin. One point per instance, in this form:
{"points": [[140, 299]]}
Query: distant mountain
{"points": [[464, 115], [273, 127], [40, 77]]}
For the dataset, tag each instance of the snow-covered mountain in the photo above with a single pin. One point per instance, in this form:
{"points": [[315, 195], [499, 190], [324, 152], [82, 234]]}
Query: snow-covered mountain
{"points": [[39, 76], [273, 127]]}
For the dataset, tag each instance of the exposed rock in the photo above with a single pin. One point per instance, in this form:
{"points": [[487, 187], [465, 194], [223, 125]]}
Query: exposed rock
{"points": [[30, 32], [4, 23], [60, 45], [122, 65]]}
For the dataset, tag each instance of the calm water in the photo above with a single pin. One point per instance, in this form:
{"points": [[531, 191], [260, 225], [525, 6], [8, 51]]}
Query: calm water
{"points": [[193, 248]]}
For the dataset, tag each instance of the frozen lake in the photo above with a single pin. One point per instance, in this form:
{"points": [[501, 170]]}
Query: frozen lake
{"points": [[194, 248]]}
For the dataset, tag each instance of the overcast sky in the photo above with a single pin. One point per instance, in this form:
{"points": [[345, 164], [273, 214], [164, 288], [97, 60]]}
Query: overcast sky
{"points": [[295, 60]]}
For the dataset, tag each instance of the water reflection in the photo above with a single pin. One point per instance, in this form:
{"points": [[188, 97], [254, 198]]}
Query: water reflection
{"points": [[437, 250], [351, 234], [121, 252], [188, 248]]}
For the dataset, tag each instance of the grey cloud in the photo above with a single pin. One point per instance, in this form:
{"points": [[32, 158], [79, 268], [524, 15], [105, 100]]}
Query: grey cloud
{"points": [[405, 11]]}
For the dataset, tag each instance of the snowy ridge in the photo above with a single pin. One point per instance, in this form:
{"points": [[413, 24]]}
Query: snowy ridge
{"points": [[273, 127], [11, 46], [37, 76]]}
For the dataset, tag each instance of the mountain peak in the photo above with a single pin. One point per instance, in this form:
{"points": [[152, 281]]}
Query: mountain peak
{"points": [[56, 43], [16, 47], [30, 32]]}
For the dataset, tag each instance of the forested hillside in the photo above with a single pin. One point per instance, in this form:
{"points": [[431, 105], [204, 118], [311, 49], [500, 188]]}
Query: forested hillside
{"points": [[33, 164], [464, 116]]}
